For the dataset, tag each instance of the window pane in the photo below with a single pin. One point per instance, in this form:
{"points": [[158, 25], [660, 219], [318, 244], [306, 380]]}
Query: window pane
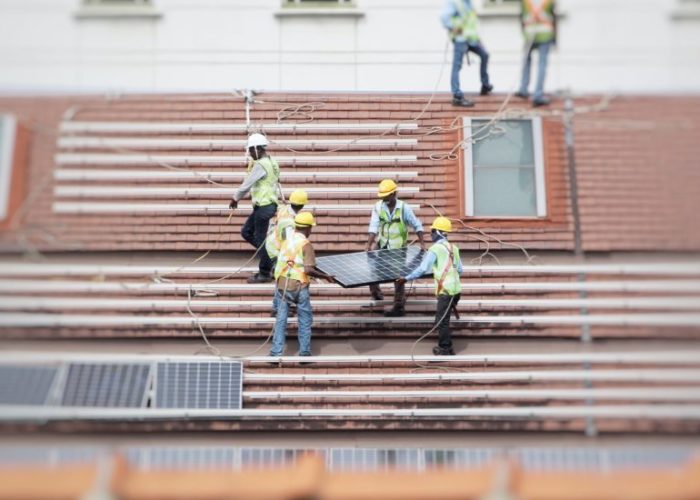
{"points": [[504, 192], [505, 144]]}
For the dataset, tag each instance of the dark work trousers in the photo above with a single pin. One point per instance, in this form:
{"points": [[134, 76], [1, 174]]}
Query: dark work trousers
{"points": [[254, 231], [399, 291], [445, 303]]}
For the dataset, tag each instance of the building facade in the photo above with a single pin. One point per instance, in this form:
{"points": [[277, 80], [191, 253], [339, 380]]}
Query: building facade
{"points": [[332, 45]]}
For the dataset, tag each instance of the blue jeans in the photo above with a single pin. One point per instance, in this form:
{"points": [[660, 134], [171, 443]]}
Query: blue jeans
{"points": [[303, 301], [461, 49], [543, 49]]}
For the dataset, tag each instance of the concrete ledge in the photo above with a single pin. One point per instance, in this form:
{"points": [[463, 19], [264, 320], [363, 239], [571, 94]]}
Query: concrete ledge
{"points": [[296, 12], [147, 12]]}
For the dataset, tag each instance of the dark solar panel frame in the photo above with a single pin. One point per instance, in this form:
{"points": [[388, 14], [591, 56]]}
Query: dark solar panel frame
{"points": [[29, 385], [106, 385], [351, 270], [203, 385]]}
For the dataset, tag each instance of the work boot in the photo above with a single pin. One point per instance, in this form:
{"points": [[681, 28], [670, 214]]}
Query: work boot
{"points": [[259, 278], [439, 351], [376, 293], [541, 101], [462, 102], [395, 312], [486, 89], [305, 363], [522, 95]]}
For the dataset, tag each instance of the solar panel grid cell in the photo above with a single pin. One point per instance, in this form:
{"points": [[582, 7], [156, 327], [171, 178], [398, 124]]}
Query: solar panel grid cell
{"points": [[364, 268], [106, 385], [199, 385], [25, 385]]}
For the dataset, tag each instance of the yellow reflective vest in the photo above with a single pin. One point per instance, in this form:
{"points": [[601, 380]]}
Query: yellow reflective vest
{"points": [[284, 219], [264, 192], [290, 262], [467, 20], [393, 232], [538, 20], [445, 269]]}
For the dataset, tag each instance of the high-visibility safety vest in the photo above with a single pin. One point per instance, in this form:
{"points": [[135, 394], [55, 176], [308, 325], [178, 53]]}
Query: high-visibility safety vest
{"points": [[445, 268], [284, 219], [290, 262], [467, 20], [264, 192], [538, 20], [392, 228]]}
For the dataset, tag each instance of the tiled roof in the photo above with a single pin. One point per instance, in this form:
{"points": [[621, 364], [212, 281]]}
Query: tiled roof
{"points": [[90, 205], [639, 392], [94, 298], [635, 158], [639, 181]]}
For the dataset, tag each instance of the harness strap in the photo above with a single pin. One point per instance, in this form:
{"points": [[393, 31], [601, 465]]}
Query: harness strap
{"points": [[450, 263], [291, 259]]}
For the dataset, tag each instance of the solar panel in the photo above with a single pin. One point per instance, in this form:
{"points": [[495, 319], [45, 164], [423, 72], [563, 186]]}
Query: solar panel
{"points": [[209, 385], [106, 385], [25, 385], [364, 268]]}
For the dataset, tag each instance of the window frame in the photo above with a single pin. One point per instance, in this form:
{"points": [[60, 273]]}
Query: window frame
{"points": [[320, 4], [315, 8], [686, 10], [467, 168], [502, 8], [8, 139]]}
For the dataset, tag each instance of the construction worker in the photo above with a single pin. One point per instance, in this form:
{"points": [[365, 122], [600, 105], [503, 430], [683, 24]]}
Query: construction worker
{"points": [[389, 219], [539, 23], [263, 183], [460, 19], [295, 265], [282, 228], [443, 258]]}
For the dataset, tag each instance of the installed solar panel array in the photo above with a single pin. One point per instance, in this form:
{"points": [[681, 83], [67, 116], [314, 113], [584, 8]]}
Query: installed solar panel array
{"points": [[199, 385], [364, 268], [26, 385], [203, 385], [106, 385]]}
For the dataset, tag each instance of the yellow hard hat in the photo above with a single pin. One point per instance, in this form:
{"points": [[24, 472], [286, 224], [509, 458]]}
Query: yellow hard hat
{"points": [[386, 187], [304, 219], [298, 197], [442, 224]]}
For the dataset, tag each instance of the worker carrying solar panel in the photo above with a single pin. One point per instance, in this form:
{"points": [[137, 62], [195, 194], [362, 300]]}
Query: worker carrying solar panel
{"points": [[262, 181], [443, 257], [389, 221], [295, 266], [282, 228]]}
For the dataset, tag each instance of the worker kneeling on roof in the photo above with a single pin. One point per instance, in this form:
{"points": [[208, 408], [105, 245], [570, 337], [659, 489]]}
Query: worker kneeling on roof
{"points": [[389, 219], [263, 183], [443, 258], [282, 229], [295, 266]]}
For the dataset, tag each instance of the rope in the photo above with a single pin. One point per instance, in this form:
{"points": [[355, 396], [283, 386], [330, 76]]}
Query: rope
{"points": [[303, 113]]}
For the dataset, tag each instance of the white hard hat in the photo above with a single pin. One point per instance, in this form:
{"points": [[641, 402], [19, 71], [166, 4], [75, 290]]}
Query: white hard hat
{"points": [[255, 140]]}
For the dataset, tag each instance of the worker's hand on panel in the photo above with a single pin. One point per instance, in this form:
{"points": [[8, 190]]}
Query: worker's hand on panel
{"points": [[233, 205]]}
